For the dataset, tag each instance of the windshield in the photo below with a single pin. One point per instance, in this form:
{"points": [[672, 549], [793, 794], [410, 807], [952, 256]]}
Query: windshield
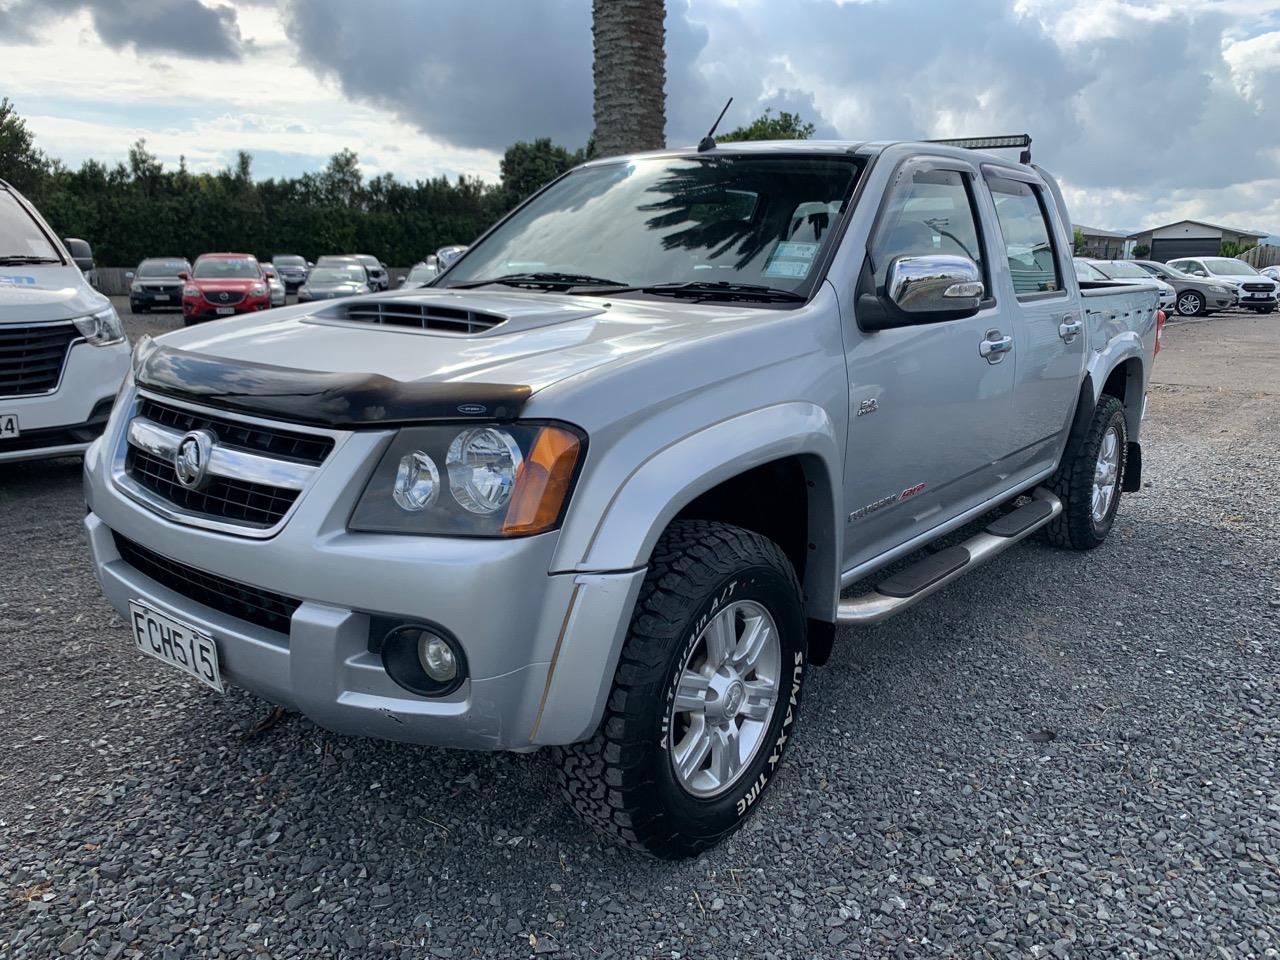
{"points": [[349, 274], [421, 273], [238, 269], [1087, 271], [20, 236], [703, 219], [288, 261], [1121, 270], [162, 268], [1229, 267]]}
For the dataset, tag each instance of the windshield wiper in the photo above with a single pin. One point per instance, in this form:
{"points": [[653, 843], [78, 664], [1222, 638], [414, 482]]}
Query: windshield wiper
{"points": [[17, 259], [539, 280], [722, 290]]}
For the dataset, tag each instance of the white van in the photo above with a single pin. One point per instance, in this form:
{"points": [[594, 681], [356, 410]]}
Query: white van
{"points": [[63, 352]]}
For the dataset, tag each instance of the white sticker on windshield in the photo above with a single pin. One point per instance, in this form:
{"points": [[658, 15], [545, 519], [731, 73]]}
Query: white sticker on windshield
{"points": [[39, 247], [791, 259]]}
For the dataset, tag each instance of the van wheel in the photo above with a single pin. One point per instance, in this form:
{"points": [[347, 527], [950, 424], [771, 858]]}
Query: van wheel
{"points": [[704, 699], [1190, 304], [1089, 484]]}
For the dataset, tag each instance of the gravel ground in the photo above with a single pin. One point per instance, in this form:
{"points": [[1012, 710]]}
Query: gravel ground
{"points": [[1062, 755]]}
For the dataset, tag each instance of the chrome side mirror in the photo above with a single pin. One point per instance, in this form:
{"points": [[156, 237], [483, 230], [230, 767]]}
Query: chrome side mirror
{"points": [[935, 284]]}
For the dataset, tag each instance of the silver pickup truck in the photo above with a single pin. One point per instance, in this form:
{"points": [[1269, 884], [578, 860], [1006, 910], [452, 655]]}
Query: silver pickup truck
{"points": [[605, 485]]}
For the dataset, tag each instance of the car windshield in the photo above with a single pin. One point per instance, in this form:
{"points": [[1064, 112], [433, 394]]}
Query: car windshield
{"points": [[348, 274], [162, 268], [421, 273], [1122, 270], [1087, 271], [227, 269], [288, 261], [714, 218], [20, 236], [1229, 267]]}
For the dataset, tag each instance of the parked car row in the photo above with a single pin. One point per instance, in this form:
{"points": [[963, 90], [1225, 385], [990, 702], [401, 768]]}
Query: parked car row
{"points": [[1195, 286]]}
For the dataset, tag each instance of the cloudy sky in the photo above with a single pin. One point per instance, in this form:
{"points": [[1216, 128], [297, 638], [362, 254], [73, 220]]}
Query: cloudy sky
{"points": [[1148, 111]]}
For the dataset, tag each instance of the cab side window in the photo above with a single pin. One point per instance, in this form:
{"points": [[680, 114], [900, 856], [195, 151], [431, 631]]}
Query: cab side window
{"points": [[1028, 240], [931, 214]]}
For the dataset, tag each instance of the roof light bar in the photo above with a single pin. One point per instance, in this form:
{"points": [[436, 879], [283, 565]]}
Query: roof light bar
{"points": [[987, 143]]}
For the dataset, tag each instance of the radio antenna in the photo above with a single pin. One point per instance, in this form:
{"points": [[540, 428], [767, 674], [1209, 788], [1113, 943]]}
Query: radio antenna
{"points": [[709, 141]]}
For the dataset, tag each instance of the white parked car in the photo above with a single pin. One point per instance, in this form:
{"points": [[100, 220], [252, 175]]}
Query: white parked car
{"points": [[1272, 272], [1126, 271], [63, 352], [421, 273], [275, 285], [1257, 292]]}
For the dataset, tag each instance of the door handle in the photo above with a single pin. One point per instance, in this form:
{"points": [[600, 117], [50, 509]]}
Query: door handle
{"points": [[1069, 328], [994, 346]]}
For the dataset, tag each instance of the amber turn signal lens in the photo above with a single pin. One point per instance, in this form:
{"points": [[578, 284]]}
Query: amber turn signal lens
{"points": [[543, 482]]}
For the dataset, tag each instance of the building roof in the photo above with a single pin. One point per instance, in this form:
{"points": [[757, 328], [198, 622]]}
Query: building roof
{"points": [[1203, 223], [1095, 232]]}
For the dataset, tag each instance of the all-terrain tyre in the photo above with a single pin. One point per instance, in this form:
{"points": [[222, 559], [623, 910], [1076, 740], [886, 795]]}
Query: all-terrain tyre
{"points": [[714, 661], [1089, 483]]}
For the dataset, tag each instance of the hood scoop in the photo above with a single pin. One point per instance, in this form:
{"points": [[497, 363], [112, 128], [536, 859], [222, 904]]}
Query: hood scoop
{"points": [[460, 314]]}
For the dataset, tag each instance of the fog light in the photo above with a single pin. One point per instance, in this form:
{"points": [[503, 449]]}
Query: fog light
{"points": [[422, 658], [436, 657]]}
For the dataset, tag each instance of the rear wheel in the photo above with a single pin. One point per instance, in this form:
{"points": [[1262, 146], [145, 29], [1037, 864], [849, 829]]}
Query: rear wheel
{"points": [[1189, 304], [704, 699], [1089, 484]]}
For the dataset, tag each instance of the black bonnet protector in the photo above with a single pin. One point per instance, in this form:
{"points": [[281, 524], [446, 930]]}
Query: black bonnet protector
{"points": [[347, 400]]}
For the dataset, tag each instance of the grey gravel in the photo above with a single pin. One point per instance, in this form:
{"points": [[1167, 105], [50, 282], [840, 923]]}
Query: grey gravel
{"points": [[919, 814]]}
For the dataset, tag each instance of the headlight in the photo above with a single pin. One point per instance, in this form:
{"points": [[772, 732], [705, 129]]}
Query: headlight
{"points": [[102, 328], [472, 480], [190, 291], [258, 290], [136, 287]]}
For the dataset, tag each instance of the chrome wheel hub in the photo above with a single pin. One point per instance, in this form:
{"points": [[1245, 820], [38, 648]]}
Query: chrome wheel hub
{"points": [[1106, 475], [1188, 305], [725, 698]]}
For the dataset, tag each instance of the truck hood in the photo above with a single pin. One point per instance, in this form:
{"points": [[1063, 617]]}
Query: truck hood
{"points": [[46, 292], [535, 340]]}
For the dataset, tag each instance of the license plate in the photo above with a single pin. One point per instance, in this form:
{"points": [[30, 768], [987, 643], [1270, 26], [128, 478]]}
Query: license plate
{"points": [[225, 310], [176, 643], [160, 297], [9, 426]]}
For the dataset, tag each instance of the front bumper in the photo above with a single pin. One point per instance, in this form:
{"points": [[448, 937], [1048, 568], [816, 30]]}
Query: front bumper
{"points": [[200, 309], [1253, 300], [64, 422], [541, 648], [155, 299]]}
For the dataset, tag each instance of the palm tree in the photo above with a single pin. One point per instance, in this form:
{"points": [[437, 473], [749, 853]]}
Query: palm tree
{"points": [[630, 72]]}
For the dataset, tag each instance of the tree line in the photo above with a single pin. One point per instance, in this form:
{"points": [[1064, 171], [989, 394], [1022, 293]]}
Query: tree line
{"points": [[139, 208]]}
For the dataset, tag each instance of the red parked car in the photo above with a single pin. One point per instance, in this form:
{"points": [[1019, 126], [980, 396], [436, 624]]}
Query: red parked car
{"points": [[222, 285]]}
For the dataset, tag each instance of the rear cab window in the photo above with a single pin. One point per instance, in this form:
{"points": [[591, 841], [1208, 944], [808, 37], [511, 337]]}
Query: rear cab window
{"points": [[1029, 245]]}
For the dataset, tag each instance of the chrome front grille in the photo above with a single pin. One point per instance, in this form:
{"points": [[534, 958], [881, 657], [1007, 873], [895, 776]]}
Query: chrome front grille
{"points": [[417, 315], [239, 475]]}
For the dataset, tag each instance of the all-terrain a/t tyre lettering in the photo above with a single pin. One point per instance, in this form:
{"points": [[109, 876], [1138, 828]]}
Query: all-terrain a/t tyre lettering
{"points": [[1089, 482], [704, 699]]}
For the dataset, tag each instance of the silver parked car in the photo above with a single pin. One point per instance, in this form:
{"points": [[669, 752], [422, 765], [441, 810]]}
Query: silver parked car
{"points": [[274, 284], [601, 492], [1126, 271], [1193, 296], [420, 273], [1257, 292], [328, 281]]}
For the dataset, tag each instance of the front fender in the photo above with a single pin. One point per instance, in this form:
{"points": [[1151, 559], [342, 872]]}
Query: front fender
{"points": [[657, 489]]}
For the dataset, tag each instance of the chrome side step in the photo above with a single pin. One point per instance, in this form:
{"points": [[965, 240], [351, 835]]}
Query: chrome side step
{"points": [[908, 587]]}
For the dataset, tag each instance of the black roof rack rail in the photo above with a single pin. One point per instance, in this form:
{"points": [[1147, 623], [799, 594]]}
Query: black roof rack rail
{"points": [[1012, 141]]}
